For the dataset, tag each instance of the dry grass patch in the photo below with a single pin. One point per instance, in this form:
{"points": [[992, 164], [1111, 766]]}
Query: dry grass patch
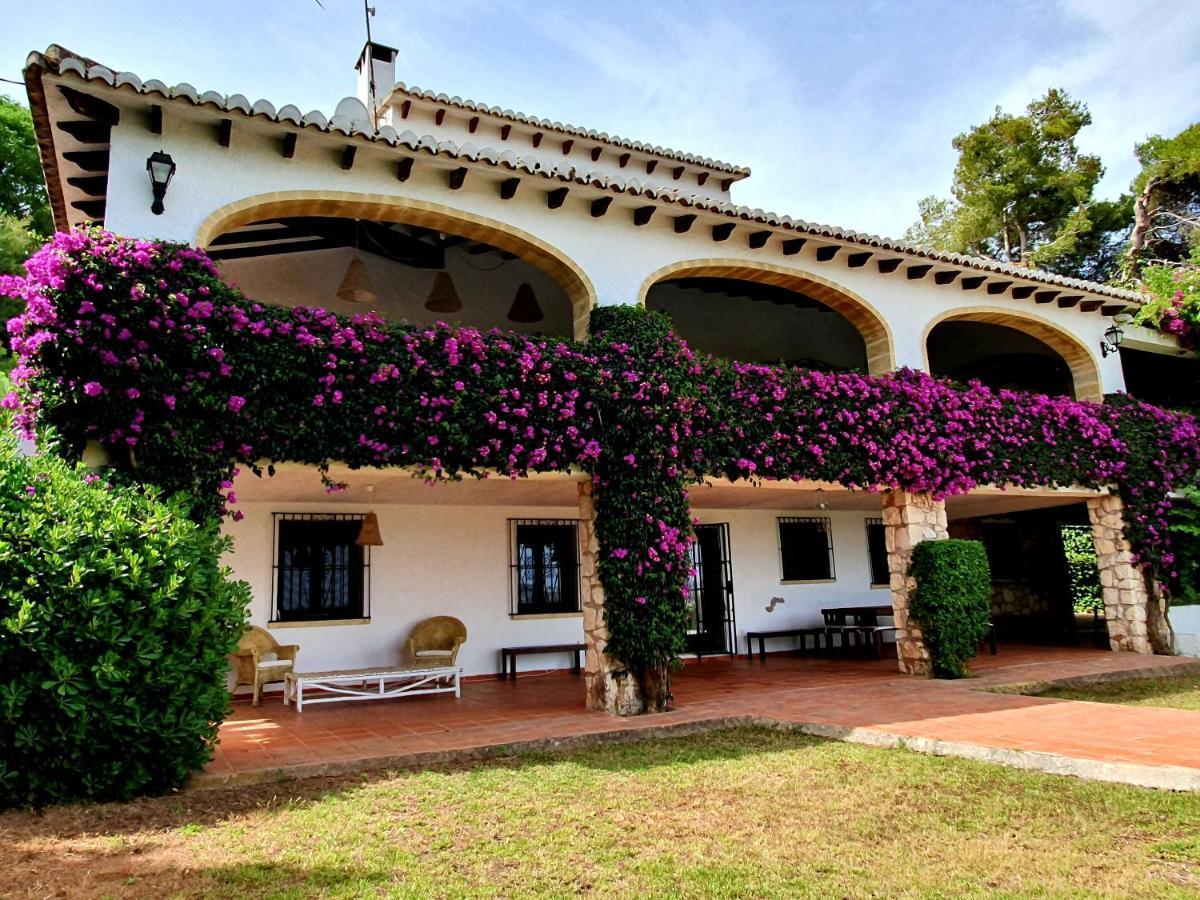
{"points": [[1178, 692], [740, 813]]}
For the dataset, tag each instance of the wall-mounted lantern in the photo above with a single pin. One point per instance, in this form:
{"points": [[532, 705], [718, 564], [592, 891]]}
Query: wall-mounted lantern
{"points": [[1114, 334], [161, 168]]}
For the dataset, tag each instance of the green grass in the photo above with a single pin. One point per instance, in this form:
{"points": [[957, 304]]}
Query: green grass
{"points": [[1177, 693], [747, 813]]}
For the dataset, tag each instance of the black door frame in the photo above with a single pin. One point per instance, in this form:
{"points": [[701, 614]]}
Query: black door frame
{"points": [[712, 638]]}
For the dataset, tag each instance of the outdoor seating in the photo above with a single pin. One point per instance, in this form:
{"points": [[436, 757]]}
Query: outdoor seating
{"points": [[802, 634], [434, 642], [260, 660], [860, 624], [508, 656]]}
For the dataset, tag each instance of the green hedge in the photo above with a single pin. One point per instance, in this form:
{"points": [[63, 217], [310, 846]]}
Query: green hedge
{"points": [[115, 624], [1080, 550], [952, 603]]}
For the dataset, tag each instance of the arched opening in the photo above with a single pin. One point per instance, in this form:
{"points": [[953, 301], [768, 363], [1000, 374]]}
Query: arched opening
{"points": [[1010, 352], [417, 263], [770, 315]]}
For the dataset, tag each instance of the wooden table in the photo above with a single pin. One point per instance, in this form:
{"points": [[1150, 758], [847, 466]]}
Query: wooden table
{"points": [[508, 656], [377, 683]]}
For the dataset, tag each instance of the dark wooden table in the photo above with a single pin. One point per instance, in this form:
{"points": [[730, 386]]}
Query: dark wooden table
{"points": [[763, 636], [508, 656]]}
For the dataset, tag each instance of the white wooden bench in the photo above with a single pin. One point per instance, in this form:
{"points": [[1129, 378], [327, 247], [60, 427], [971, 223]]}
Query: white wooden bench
{"points": [[379, 683]]}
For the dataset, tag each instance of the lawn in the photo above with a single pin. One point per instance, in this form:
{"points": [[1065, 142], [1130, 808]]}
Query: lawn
{"points": [[1177, 693], [735, 814]]}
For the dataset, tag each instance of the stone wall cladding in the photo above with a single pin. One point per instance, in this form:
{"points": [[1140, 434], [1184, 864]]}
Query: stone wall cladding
{"points": [[908, 519], [1122, 585], [609, 688]]}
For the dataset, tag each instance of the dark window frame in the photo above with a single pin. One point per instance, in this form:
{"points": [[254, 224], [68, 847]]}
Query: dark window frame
{"points": [[357, 605], [789, 557], [877, 556], [531, 579]]}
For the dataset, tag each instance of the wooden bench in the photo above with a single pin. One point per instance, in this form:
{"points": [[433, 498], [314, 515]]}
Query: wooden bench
{"points": [[377, 683], [508, 656], [763, 636]]}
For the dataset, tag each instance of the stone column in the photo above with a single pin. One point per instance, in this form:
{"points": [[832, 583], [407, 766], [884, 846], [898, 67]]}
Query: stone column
{"points": [[908, 519], [610, 688], [1122, 585]]}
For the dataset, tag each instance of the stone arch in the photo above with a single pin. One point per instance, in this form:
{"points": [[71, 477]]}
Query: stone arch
{"points": [[870, 323], [408, 211], [1080, 359]]}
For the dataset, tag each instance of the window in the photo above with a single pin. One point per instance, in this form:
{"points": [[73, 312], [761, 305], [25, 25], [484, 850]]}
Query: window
{"points": [[877, 550], [545, 566], [320, 570], [806, 549]]}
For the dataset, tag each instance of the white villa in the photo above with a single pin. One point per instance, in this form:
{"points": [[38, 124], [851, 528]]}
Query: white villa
{"points": [[464, 212]]}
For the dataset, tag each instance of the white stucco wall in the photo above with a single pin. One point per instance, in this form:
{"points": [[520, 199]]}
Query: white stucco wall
{"points": [[1186, 622], [616, 257], [454, 560], [435, 560]]}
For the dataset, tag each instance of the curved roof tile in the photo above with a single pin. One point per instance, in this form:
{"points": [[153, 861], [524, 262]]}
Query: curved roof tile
{"points": [[61, 61]]}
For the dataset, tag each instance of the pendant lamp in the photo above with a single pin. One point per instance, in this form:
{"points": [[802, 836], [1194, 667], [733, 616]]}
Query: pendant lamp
{"points": [[525, 306], [368, 535], [356, 284], [443, 298]]}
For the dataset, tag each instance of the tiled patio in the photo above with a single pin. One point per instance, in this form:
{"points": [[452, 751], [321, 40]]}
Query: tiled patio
{"points": [[852, 698]]}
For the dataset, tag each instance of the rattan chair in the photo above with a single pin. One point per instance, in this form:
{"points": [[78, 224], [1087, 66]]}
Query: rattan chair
{"points": [[260, 660], [435, 641]]}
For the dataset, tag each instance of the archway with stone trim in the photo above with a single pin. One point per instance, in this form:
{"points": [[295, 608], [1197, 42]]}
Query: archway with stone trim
{"points": [[1007, 349], [543, 266], [716, 305]]}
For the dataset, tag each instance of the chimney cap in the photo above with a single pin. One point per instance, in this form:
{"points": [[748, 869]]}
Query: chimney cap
{"points": [[378, 52]]}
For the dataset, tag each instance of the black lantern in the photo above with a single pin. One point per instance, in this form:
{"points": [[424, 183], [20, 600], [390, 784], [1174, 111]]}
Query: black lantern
{"points": [[1113, 335], [161, 167]]}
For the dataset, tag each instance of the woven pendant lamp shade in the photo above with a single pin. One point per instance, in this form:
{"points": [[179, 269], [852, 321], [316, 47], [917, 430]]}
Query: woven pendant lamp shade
{"points": [[443, 297], [356, 283], [368, 535], [525, 306]]}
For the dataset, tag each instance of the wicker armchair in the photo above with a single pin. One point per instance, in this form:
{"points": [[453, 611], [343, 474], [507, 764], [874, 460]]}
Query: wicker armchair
{"points": [[435, 641], [260, 660]]}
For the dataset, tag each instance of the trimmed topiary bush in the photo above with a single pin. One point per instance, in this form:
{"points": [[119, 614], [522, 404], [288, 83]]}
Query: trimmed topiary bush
{"points": [[115, 623], [952, 603]]}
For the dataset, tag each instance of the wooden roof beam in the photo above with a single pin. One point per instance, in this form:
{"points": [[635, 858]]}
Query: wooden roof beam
{"points": [[556, 198], [600, 206], [1023, 291], [225, 132], [828, 252], [456, 178], [684, 223], [793, 246], [642, 215], [723, 231], [1045, 296], [508, 188], [758, 239], [971, 282], [858, 260], [404, 168], [1068, 301], [998, 287], [889, 265], [348, 154], [915, 273], [946, 277], [287, 147]]}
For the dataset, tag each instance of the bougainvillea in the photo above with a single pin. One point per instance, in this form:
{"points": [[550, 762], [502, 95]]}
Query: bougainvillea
{"points": [[1174, 305], [143, 348]]}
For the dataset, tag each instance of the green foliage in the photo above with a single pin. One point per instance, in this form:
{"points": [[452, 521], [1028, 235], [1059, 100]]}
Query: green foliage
{"points": [[1184, 523], [22, 193], [1174, 304], [952, 602], [115, 622], [1082, 568], [1022, 193]]}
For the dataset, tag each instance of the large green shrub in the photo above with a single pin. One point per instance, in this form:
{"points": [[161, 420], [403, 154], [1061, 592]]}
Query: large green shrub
{"points": [[115, 622], [952, 603]]}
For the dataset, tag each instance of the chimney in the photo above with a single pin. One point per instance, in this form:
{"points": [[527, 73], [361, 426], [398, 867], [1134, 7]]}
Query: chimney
{"points": [[376, 74]]}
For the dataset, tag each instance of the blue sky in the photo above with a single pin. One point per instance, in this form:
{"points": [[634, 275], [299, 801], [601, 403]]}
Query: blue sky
{"points": [[844, 110]]}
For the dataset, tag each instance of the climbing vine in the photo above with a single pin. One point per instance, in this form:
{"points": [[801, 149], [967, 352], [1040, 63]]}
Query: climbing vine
{"points": [[141, 347]]}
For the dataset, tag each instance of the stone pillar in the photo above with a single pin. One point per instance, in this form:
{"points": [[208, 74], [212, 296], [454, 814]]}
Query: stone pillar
{"points": [[908, 519], [1122, 585], [610, 688]]}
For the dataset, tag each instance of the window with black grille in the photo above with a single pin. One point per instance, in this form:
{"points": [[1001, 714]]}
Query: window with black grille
{"points": [[806, 548], [545, 566], [321, 573], [877, 550]]}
